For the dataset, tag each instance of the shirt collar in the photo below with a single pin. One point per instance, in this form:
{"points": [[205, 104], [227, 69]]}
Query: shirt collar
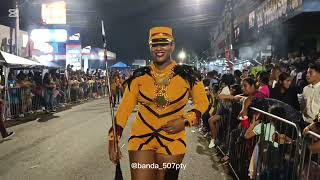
{"points": [[316, 85]]}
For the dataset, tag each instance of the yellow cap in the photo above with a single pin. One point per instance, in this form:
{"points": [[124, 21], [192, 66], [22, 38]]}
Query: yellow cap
{"points": [[160, 35]]}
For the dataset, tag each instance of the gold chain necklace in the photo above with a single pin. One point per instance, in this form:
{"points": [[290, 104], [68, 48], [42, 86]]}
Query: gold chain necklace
{"points": [[161, 82]]}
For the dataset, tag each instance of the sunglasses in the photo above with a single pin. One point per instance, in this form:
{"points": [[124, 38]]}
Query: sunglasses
{"points": [[160, 44]]}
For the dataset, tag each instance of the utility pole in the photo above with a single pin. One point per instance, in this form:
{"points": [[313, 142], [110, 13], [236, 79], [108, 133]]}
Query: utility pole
{"points": [[17, 28], [12, 13]]}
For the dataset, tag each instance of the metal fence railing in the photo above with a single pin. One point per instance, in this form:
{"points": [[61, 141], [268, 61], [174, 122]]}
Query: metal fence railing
{"points": [[271, 151], [22, 100], [310, 157]]}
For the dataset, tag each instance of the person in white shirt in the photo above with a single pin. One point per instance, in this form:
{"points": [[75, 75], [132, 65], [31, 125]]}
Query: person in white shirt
{"points": [[310, 105]]}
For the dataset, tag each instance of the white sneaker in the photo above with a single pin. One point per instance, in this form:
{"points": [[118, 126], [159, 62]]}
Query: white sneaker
{"points": [[10, 134], [211, 145]]}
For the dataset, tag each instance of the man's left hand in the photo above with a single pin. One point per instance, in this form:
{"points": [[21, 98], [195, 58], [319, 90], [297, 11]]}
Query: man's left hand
{"points": [[174, 126]]}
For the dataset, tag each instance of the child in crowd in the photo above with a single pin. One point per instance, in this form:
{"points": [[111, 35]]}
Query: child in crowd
{"points": [[269, 139]]}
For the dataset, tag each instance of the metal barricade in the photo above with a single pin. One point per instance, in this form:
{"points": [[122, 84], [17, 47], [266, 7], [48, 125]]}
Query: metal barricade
{"points": [[310, 158], [37, 98], [22, 101], [227, 131], [279, 151], [223, 127], [272, 151]]}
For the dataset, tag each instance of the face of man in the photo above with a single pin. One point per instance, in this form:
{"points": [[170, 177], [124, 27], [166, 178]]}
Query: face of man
{"points": [[313, 76], [161, 53]]}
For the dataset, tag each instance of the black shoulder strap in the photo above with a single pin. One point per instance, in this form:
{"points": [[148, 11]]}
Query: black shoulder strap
{"points": [[188, 73], [137, 73]]}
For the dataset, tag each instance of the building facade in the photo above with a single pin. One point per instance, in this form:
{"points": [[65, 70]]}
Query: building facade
{"points": [[279, 28]]}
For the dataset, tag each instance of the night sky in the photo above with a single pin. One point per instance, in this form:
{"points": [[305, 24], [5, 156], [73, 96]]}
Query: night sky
{"points": [[128, 22]]}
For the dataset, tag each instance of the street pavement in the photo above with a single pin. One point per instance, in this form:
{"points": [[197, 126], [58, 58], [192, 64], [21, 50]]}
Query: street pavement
{"points": [[71, 145]]}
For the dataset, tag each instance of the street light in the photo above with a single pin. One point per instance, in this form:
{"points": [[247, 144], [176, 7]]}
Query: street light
{"points": [[182, 55]]}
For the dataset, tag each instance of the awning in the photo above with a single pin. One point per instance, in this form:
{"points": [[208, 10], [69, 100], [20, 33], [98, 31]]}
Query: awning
{"points": [[119, 65], [13, 60]]}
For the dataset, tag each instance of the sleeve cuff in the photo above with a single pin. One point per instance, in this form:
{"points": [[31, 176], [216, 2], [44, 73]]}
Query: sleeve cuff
{"points": [[193, 117]]}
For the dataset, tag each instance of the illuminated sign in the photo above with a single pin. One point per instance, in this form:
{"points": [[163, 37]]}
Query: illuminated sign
{"points": [[49, 35], [73, 55], [54, 13]]}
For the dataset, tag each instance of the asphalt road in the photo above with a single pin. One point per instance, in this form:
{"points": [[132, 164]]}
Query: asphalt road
{"points": [[71, 145]]}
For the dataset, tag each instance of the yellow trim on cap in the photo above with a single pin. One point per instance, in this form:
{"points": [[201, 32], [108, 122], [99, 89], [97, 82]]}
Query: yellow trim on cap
{"points": [[161, 33]]}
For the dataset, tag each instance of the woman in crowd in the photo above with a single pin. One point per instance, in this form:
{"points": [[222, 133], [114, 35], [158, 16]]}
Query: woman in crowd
{"points": [[262, 83], [250, 90], [283, 91]]}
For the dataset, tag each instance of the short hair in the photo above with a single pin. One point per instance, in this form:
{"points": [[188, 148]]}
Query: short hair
{"points": [[315, 66], [212, 73], [278, 111], [237, 73], [215, 87], [206, 82], [237, 89], [228, 79]]}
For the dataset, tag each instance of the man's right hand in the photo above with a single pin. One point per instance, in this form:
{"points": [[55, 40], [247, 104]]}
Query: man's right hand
{"points": [[113, 155]]}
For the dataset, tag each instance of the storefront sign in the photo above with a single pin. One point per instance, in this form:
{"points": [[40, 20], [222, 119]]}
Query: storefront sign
{"points": [[272, 10]]}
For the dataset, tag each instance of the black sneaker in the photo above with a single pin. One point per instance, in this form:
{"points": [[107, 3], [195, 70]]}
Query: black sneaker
{"points": [[10, 134], [53, 110]]}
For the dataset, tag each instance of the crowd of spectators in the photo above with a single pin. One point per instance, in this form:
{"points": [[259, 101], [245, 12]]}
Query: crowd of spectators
{"points": [[48, 90], [40, 90], [294, 82]]}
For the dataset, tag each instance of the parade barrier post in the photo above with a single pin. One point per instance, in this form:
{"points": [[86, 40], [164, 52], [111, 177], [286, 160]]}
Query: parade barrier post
{"points": [[310, 161]]}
